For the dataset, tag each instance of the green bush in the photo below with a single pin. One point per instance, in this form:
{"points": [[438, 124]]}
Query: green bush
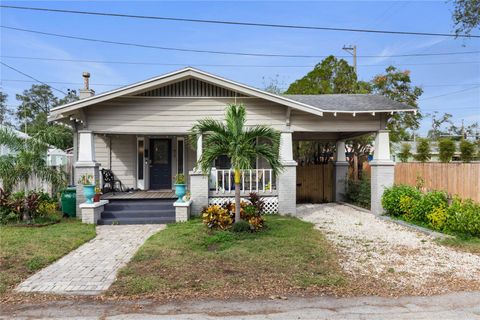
{"points": [[405, 152], [241, 226], [358, 192], [467, 150], [392, 198], [423, 150], [463, 217], [446, 149], [427, 203]]}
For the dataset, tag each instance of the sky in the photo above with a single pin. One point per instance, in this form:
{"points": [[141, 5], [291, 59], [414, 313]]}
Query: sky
{"points": [[451, 83]]}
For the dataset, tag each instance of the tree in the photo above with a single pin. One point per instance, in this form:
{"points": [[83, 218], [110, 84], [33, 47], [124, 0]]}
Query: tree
{"points": [[5, 112], [437, 122], [446, 149], [32, 113], [467, 150], [27, 158], [466, 16], [405, 152], [231, 138], [423, 150], [396, 85], [332, 75], [274, 85]]}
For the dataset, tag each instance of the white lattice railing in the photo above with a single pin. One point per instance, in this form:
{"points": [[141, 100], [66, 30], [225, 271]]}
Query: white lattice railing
{"points": [[252, 180], [270, 204]]}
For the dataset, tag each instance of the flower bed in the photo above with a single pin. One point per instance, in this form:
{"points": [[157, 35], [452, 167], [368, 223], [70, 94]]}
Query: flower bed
{"points": [[433, 209]]}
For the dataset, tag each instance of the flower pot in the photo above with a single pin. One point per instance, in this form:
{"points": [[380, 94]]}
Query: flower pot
{"points": [[96, 197], [89, 192], [180, 191]]}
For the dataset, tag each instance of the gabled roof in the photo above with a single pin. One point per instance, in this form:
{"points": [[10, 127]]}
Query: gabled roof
{"points": [[351, 102], [314, 104]]}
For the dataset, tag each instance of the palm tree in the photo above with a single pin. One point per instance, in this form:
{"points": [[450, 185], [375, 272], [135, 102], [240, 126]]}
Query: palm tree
{"points": [[242, 145], [27, 158]]}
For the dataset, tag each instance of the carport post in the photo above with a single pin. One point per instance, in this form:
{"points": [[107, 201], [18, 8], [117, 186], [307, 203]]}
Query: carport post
{"points": [[383, 169], [287, 179], [341, 171]]}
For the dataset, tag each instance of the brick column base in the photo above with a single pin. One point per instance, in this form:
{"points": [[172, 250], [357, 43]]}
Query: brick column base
{"points": [[340, 179], [382, 177], [287, 188], [82, 168], [198, 191]]}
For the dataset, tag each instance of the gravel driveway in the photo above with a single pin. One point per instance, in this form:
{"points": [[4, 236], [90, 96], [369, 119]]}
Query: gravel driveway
{"points": [[390, 258]]}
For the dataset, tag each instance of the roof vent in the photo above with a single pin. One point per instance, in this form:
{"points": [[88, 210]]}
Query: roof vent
{"points": [[86, 92]]}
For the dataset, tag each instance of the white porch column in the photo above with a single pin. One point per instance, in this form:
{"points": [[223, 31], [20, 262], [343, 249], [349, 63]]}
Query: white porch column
{"points": [[287, 179], [341, 171], [85, 164], [198, 183], [383, 170]]}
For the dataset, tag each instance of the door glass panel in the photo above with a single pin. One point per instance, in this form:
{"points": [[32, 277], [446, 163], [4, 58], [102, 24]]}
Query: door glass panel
{"points": [[160, 152], [140, 159], [180, 156]]}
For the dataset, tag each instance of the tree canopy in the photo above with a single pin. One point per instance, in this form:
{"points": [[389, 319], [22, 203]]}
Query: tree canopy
{"points": [[466, 16]]}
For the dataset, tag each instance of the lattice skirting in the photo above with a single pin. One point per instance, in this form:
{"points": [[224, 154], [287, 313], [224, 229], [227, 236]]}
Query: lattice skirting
{"points": [[271, 203]]}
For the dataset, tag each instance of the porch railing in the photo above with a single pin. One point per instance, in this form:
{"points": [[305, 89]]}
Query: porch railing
{"points": [[252, 180]]}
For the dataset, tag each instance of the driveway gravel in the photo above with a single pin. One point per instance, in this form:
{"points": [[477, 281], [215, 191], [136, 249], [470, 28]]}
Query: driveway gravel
{"points": [[393, 258]]}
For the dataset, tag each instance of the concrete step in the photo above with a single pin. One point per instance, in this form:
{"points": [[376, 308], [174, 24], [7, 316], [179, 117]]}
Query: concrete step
{"points": [[141, 204], [153, 213], [121, 221]]}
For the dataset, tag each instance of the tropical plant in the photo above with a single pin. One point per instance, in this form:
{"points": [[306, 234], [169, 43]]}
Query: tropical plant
{"points": [[467, 150], [405, 152], [423, 150], [86, 179], [446, 149], [180, 179], [242, 145], [27, 158]]}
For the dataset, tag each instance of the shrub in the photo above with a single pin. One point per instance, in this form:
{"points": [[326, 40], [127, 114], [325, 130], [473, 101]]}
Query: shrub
{"points": [[427, 203], [392, 197], [467, 150], [241, 226], [464, 217], [437, 217], [358, 192], [217, 217], [255, 200], [446, 149], [405, 152], [423, 150]]}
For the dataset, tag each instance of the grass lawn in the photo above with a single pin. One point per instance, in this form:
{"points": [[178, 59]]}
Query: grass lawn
{"points": [[25, 250], [468, 244], [187, 260]]}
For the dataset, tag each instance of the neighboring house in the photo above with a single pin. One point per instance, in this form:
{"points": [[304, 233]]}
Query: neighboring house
{"points": [[434, 151], [140, 133], [54, 157]]}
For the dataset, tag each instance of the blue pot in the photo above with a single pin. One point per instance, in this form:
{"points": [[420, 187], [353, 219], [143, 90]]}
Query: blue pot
{"points": [[180, 191], [89, 192]]}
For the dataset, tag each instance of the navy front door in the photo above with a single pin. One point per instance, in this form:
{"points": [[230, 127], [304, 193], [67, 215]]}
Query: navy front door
{"points": [[160, 164]]}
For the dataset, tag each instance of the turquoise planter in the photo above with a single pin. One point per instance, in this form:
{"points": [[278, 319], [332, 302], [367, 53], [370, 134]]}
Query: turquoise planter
{"points": [[89, 192], [180, 191]]}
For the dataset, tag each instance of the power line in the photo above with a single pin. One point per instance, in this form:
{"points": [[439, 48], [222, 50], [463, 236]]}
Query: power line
{"points": [[220, 65], [119, 85], [29, 76], [240, 23], [223, 52], [449, 93]]}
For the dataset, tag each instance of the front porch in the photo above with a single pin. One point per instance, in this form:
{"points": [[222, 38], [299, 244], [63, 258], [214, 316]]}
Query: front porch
{"points": [[139, 194]]}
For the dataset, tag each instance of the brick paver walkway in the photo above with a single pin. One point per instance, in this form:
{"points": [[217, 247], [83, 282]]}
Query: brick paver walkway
{"points": [[93, 267]]}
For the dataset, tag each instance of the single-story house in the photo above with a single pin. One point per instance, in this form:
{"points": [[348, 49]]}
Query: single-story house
{"points": [[140, 132]]}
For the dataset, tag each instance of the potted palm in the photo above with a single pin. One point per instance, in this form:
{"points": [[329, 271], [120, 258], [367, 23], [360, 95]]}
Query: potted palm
{"points": [[88, 187], [237, 141], [180, 186]]}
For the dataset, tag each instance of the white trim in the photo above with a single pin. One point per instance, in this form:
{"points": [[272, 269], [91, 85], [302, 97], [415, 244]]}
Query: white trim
{"points": [[140, 182]]}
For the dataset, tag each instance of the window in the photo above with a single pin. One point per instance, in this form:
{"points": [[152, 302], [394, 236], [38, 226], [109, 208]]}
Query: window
{"points": [[180, 155]]}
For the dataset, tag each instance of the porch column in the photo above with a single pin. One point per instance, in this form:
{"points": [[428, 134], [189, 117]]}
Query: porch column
{"points": [[341, 171], [85, 163], [198, 184], [382, 175], [287, 179]]}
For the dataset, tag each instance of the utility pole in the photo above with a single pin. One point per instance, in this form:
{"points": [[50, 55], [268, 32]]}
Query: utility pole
{"points": [[352, 49]]}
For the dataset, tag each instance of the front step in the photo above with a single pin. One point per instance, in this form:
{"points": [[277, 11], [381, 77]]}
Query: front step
{"points": [[138, 211]]}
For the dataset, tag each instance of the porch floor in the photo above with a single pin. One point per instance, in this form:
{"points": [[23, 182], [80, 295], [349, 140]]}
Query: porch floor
{"points": [[141, 194]]}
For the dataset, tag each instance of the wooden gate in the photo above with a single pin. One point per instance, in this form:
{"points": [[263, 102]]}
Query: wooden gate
{"points": [[315, 183]]}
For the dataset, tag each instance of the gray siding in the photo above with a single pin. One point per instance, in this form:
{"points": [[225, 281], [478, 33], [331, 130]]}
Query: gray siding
{"points": [[122, 154], [154, 115], [302, 121]]}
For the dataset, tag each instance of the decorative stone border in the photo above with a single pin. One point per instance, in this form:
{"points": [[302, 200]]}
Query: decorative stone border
{"points": [[182, 210], [91, 212]]}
